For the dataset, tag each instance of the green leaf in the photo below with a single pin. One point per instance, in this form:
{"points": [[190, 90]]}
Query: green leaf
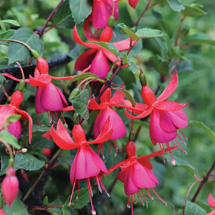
{"points": [[13, 118], [2, 79], [128, 95], [207, 130], [80, 103], [9, 138], [10, 21], [82, 77], [193, 10], [199, 38], [18, 52], [7, 34], [110, 47], [27, 162], [62, 13], [160, 64], [80, 10], [83, 199], [17, 208], [142, 33], [194, 209], [175, 5], [40, 129]]}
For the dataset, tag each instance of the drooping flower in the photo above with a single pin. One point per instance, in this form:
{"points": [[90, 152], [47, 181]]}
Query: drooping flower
{"points": [[106, 111], [211, 202], [96, 58], [136, 175], [166, 117], [10, 186], [12, 108], [87, 165], [102, 10]]}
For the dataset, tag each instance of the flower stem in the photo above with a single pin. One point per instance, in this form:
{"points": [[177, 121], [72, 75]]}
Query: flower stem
{"points": [[8, 147]]}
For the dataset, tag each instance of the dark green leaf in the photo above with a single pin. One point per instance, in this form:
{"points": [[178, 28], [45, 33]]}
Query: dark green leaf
{"points": [[17, 208], [2, 79], [176, 5], [9, 138], [83, 199], [199, 38], [18, 52], [27, 162], [207, 130], [40, 129], [10, 21], [194, 209], [128, 95], [160, 64], [110, 47], [193, 10], [7, 34], [80, 10], [13, 118], [80, 103]]}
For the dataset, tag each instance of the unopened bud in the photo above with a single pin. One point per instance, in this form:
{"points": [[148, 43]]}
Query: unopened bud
{"points": [[76, 118], [109, 75], [111, 21], [35, 53], [143, 79], [21, 85], [132, 136]]}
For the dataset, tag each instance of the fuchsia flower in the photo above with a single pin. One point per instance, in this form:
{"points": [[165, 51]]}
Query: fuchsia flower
{"points": [[87, 165], [166, 117], [211, 202], [12, 108], [136, 174], [133, 3], [10, 186], [96, 58], [102, 10], [2, 212]]}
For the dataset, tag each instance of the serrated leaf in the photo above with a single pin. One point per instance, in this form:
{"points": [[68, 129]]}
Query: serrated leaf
{"points": [[9, 138], [110, 47], [128, 95], [207, 130], [10, 21], [199, 38], [175, 5], [18, 52], [80, 103], [62, 13], [194, 209], [160, 64], [80, 10], [7, 34], [17, 208], [27, 162], [193, 10]]}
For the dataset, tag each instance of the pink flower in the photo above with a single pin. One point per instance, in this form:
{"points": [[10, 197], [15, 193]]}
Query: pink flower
{"points": [[2, 212], [101, 11], [136, 174], [87, 165], [96, 59], [10, 186], [12, 108], [211, 202], [166, 117]]}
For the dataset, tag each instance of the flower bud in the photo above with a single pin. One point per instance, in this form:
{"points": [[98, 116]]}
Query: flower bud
{"points": [[21, 85], [143, 79], [16, 98], [35, 53], [42, 66], [130, 149], [106, 34], [111, 21], [10, 186]]}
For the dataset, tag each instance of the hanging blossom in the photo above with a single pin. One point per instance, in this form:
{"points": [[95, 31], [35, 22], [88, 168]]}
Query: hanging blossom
{"points": [[106, 111], [136, 175], [96, 58], [8, 110], [87, 165], [166, 117], [211, 202], [101, 12]]}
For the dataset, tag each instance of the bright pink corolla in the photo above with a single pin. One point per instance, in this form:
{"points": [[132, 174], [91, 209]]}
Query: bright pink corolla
{"points": [[2, 212], [87, 164], [12, 108], [166, 117], [211, 202], [10, 186], [96, 59], [102, 10], [136, 174]]}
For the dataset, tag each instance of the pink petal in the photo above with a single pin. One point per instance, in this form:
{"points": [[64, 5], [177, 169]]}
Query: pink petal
{"points": [[179, 118], [211, 200], [85, 165], [100, 65], [170, 88], [157, 134], [73, 169], [63, 99], [38, 106], [85, 59], [15, 129], [129, 186], [166, 122]]}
